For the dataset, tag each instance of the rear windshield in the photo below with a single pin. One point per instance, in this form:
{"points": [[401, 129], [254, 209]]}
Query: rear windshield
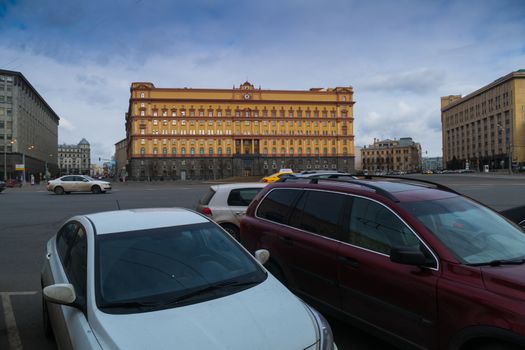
{"points": [[205, 200]]}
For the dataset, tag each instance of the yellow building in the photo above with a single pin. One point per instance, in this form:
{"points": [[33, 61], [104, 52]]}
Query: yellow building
{"points": [[486, 127], [386, 156], [186, 133]]}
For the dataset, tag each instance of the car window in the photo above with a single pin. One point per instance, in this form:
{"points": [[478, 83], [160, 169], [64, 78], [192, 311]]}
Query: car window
{"points": [[157, 266], [80, 178], [65, 238], [76, 263], [374, 227], [242, 196], [276, 205], [205, 200], [319, 212], [68, 178]]}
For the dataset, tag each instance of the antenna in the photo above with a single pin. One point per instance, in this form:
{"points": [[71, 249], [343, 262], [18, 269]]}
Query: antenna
{"points": [[118, 205]]}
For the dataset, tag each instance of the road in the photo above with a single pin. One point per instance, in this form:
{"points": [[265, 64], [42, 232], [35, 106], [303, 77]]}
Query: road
{"points": [[30, 216]]}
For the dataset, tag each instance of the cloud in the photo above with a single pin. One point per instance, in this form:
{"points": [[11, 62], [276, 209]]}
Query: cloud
{"points": [[66, 124], [420, 81]]}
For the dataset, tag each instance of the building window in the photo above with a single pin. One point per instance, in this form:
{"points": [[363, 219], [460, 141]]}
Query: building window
{"points": [[141, 95], [219, 151], [228, 151], [183, 151], [142, 141], [174, 151], [210, 151], [142, 151], [155, 150], [192, 151]]}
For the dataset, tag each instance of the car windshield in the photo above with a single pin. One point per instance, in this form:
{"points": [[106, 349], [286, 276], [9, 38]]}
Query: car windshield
{"points": [[475, 234], [167, 267]]}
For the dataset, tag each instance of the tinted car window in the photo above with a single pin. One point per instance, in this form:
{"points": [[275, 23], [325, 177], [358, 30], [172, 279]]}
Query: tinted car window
{"points": [[65, 238], [68, 178], [80, 178], [276, 205], [374, 227], [319, 212], [76, 263], [242, 196]]}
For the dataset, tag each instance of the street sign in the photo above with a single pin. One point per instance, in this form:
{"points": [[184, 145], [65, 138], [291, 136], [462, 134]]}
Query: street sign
{"points": [[19, 167]]}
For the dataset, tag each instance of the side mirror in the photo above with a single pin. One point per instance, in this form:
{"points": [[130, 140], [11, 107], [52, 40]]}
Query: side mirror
{"points": [[407, 256], [61, 293], [262, 256]]}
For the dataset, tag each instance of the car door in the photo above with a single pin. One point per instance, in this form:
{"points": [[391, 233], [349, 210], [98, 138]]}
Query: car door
{"points": [[70, 323], [399, 299], [82, 184], [311, 246], [238, 200], [68, 183]]}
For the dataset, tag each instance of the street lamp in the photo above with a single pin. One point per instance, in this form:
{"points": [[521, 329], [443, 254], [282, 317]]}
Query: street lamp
{"points": [[12, 142], [510, 149], [24, 162]]}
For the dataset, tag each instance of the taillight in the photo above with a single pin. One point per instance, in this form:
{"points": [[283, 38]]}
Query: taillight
{"points": [[206, 211]]}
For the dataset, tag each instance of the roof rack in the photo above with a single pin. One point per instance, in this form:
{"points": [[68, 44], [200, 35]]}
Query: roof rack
{"points": [[378, 189], [435, 184]]}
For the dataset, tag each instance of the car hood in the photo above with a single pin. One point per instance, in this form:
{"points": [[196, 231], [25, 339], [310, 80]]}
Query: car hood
{"points": [[266, 316], [506, 280]]}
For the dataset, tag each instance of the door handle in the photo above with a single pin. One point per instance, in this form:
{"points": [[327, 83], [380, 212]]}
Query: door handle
{"points": [[349, 261], [240, 213], [286, 240]]}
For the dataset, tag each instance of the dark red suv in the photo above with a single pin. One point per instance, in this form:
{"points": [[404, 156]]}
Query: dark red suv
{"points": [[416, 262]]}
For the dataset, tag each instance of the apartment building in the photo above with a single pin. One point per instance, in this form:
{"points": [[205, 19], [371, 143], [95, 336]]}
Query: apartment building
{"points": [[392, 155], [75, 159]]}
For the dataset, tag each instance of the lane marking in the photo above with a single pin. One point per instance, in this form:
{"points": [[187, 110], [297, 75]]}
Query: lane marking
{"points": [[13, 336]]}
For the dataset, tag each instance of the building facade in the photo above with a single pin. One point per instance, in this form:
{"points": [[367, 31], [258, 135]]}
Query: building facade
{"points": [[121, 158], [75, 159], [486, 127], [432, 163], [392, 155], [28, 130], [216, 133]]}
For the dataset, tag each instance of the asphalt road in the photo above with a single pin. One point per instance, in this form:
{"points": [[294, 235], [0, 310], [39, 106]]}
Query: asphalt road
{"points": [[30, 216]]}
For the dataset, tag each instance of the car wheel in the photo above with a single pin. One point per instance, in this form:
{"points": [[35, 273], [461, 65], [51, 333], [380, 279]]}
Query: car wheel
{"points": [[59, 190], [276, 271], [232, 230], [96, 189], [48, 331]]}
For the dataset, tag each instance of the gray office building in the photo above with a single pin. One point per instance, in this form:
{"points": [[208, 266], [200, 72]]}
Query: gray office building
{"points": [[28, 130]]}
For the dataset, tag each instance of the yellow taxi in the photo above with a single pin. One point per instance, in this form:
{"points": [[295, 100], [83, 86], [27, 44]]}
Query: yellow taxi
{"points": [[277, 176]]}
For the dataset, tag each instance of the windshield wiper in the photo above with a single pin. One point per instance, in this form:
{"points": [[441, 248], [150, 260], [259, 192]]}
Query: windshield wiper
{"points": [[130, 305], [210, 288], [500, 262]]}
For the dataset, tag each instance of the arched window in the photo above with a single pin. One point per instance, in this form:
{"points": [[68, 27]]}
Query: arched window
{"points": [[308, 151], [201, 151], [316, 151], [228, 151], [300, 150], [183, 151], [155, 150], [283, 151], [142, 151], [210, 151], [274, 151], [192, 151], [141, 95], [345, 151], [164, 151], [219, 151], [174, 151], [265, 151]]}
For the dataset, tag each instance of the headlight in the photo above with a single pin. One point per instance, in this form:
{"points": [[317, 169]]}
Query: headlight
{"points": [[326, 337]]}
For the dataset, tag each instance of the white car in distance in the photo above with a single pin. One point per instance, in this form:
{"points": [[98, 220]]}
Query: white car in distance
{"points": [[77, 183], [226, 203], [167, 279]]}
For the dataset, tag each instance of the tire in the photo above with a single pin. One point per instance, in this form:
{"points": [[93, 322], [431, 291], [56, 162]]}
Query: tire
{"points": [[46, 322], [58, 190], [96, 189], [276, 271], [232, 230]]}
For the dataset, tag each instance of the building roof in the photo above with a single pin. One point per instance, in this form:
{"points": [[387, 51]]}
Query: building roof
{"points": [[83, 142], [21, 76]]}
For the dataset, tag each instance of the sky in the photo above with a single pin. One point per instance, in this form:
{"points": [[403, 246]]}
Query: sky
{"points": [[400, 56]]}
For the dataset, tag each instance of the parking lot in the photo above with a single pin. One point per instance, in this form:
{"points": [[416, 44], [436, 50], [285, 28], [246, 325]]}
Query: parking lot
{"points": [[30, 216]]}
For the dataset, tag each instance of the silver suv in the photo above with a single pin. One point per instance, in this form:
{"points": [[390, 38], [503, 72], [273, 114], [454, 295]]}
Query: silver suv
{"points": [[226, 203]]}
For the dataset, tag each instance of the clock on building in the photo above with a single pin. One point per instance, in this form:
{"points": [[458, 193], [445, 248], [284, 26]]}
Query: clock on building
{"points": [[247, 96]]}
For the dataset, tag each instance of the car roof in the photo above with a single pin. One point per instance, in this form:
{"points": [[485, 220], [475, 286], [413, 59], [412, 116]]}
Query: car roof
{"points": [[395, 189], [232, 186], [143, 219]]}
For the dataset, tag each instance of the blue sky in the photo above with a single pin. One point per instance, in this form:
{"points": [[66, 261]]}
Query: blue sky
{"points": [[400, 56]]}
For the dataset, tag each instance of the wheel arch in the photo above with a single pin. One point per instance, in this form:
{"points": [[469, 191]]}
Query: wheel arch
{"points": [[471, 337]]}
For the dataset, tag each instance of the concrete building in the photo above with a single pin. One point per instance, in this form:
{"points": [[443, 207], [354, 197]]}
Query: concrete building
{"points": [[75, 159], [392, 155], [28, 129], [486, 127], [432, 163], [214, 133], [121, 159]]}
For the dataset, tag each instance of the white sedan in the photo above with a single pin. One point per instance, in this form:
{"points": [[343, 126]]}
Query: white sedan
{"points": [[77, 183], [167, 279]]}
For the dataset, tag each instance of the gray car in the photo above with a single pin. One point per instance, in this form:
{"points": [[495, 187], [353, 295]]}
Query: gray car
{"points": [[226, 203]]}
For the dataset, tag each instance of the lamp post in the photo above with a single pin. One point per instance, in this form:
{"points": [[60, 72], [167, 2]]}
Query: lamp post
{"points": [[24, 162], [509, 150]]}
